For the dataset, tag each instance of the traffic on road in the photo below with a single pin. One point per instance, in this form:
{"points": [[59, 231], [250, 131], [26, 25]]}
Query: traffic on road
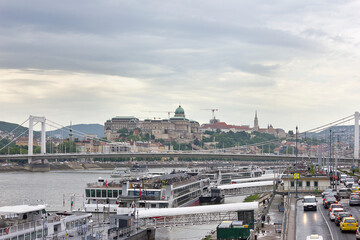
{"points": [[334, 215]]}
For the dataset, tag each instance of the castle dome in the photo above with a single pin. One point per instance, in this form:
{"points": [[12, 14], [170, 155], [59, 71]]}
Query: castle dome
{"points": [[179, 110]]}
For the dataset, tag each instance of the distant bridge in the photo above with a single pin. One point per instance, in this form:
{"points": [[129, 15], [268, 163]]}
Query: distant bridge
{"points": [[235, 153], [179, 154]]}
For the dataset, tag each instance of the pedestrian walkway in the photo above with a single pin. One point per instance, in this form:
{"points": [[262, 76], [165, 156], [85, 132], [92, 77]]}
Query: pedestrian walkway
{"points": [[269, 231], [291, 228]]}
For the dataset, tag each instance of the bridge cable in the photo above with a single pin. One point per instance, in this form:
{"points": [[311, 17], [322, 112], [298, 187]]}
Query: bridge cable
{"points": [[14, 139]]}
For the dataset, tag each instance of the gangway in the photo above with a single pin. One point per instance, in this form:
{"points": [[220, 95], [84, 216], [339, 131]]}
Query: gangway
{"points": [[265, 177], [247, 188], [167, 217]]}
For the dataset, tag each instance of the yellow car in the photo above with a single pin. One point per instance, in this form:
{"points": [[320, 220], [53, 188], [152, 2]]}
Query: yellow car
{"points": [[348, 224]]}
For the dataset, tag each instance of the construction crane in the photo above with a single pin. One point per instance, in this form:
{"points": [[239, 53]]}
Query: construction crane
{"points": [[168, 112], [213, 120]]}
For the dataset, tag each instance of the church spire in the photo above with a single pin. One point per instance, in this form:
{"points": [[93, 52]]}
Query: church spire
{"points": [[256, 122]]}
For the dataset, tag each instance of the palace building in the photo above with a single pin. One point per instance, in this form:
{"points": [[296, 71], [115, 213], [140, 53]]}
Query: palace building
{"points": [[175, 128]]}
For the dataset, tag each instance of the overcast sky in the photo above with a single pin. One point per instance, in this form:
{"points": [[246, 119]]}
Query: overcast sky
{"points": [[295, 62]]}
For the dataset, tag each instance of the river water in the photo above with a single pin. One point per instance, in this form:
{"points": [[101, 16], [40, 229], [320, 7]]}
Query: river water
{"points": [[51, 187]]}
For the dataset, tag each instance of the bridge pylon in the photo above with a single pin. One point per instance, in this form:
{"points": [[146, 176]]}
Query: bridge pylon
{"points": [[32, 120], [356, 136]]}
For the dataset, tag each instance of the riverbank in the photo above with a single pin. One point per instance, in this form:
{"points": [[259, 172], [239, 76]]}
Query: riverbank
{"points": [[71, 166]]}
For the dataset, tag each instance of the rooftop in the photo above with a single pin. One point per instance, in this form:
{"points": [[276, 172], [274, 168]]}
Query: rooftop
{"points": [[20, 209]]}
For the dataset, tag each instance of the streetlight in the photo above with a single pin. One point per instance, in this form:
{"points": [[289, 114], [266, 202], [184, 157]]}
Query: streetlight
{"points": [[296, 166]]}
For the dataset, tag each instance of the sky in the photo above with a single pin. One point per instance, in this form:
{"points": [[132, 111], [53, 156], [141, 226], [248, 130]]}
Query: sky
{"points": [[294, 62]]}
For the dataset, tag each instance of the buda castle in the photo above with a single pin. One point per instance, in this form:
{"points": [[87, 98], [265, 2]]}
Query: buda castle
{"points": [[177, 128]]}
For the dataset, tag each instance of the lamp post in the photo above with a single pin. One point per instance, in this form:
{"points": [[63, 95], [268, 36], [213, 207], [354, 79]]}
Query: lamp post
{"points": [[296, 166]]}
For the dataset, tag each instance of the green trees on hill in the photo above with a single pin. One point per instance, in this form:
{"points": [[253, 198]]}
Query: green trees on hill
{"points": [[233, 139]]}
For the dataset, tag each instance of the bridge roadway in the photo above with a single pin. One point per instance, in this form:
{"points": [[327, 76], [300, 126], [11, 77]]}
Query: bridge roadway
{"points": [[191, 154]]}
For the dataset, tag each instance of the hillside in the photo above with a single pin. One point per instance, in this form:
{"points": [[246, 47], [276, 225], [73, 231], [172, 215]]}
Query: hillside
{"points": [[93, 129], [7, 127]]}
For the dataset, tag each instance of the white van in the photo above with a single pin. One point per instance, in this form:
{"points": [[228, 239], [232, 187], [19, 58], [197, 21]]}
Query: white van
{"points": [[310, 203]]}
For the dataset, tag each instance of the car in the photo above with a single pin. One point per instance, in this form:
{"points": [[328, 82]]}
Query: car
{"points": [[344, 192], [358, 234], [343, 176], [349, 182], [326, 192], [349, 224], [340, 215], [354, 200], [314, 237], [309, 203], [335, 205], [328, 201], [333, 211], [335, 194]]}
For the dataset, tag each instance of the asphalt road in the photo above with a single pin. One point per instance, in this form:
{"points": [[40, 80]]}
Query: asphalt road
{"points": [[310, 222], [317, 222]]}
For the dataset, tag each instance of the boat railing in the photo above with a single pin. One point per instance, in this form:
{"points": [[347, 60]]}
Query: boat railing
{"points": [[149, 197], [21, 227], [114, 232]]}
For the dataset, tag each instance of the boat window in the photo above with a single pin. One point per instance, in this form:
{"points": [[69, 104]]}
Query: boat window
{"points": [[72, 224], [163, 205], [153, 205], [46, 231], [33, 235], [39, 234], [87, 191], [103, 193], [27, 236], [116, 193], [98, 193], [92, 192], [21, 237], [68, 225], [110, 193], [14, 238]]}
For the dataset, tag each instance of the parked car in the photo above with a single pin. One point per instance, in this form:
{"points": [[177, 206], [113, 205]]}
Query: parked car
{"points": [[328, 200], [333, 211], [340, 215], [344, 192], [309, 203], [354, 200], [349, 224]]}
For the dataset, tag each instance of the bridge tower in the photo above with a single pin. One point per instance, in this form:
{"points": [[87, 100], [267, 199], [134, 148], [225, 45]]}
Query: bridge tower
{"points": [[356, 137], [32, 120]]}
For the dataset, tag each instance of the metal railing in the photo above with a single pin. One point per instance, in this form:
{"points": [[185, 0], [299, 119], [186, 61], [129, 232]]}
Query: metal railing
{"points": [[21, 227]]}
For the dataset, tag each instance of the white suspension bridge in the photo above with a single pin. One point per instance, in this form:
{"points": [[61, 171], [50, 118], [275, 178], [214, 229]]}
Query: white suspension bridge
{"points": [[239, 152]]}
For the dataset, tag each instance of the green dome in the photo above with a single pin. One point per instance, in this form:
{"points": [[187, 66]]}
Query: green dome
{"points": [[179, 110]]}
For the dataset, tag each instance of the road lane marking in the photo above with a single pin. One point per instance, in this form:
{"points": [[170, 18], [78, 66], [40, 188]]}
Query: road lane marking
{"points": [[327, 224]]}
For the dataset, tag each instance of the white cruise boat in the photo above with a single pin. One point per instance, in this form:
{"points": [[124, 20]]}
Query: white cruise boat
{"points": [[165, 191], [25, 222], [120, 173]]}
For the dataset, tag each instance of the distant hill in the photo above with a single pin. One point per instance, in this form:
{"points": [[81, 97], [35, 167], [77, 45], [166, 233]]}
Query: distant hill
{"points": [[91, 129], [341, 133], [7, 127]]}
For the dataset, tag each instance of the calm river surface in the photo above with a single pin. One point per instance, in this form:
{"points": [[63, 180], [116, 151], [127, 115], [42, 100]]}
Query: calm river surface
{"points": [[50, 187]]}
